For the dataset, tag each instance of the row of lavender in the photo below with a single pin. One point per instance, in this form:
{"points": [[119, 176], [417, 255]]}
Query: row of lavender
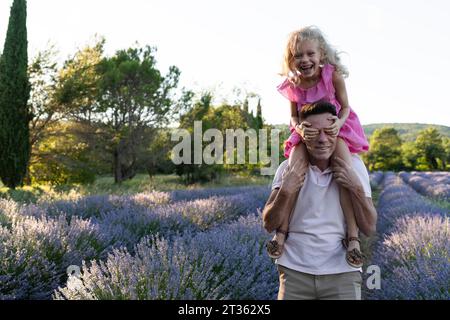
{"points": [[228, 262], [202, 244], [438, 176], [182, 245], [414, 249], [430, 184], [376, 178], [414, 257]]}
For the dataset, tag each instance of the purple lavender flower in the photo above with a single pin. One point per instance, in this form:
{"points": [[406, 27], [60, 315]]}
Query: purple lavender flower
{"points": [[227, 262], [40, 241], [431, 185], [398, 199], [414, 252], [35, 253], [415, 259], [376, 178]]}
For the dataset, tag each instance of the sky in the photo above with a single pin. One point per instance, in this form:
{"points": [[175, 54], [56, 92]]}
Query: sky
{"points": [[397, 52]]}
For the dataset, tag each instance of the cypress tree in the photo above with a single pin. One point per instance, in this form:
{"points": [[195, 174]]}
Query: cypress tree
{"points": [[246, 106], [14, 94], [259, 120]]}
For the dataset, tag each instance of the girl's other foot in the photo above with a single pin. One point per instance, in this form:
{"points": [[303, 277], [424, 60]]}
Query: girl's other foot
{"points": [[353, 256], [276, 245]]}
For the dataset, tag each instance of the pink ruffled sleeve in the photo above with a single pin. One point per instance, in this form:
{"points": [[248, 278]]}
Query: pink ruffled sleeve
{"points": [[288, 90]]}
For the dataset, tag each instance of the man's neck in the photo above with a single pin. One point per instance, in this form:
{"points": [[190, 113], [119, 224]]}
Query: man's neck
{"points": [[321, 164]]}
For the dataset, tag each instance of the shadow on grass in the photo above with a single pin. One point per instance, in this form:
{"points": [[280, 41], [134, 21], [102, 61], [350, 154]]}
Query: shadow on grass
{"points": [[22, 195], [104, 185]]}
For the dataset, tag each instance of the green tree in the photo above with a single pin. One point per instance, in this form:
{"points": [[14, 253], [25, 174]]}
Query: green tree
{"points": [[199, 111], [446, 145], [226, 117], [121, 98], [245, 106], [134, 95], [76, 95], [42, 72], [385, 150], [410, 155], [155, 156], [14, 93], [223, 117], [259, 119], [430, 146], [61, 157], [77, 82]]}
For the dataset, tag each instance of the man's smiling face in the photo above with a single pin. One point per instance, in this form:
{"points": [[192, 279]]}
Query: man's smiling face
{"points": [[323, 145]]}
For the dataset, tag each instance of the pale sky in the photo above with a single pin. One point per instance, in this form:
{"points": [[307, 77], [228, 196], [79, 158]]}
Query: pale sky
{"points": [[397, 52]]}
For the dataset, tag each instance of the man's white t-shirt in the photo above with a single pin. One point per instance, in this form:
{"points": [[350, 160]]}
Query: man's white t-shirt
{"points": [[317, 224]]}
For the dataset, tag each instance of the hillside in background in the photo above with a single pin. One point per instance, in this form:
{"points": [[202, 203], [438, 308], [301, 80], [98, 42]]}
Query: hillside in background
{"points": [[407, 131]]}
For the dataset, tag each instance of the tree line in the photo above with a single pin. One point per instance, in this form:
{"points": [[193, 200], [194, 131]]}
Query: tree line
{"points": [[388, 152], [98, 114]]}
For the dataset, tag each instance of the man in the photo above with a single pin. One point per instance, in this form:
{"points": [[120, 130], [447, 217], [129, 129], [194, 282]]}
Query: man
{"points": [[313, 264]]}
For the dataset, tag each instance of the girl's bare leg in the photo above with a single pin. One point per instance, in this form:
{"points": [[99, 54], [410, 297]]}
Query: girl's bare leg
{"points": [[298, 153], [343, 152]]}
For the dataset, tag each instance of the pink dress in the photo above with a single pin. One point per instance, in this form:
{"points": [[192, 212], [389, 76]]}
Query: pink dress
{"points": [[351, 132]]}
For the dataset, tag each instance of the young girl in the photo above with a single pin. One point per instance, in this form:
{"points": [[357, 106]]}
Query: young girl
{"points": [[314, 72]]}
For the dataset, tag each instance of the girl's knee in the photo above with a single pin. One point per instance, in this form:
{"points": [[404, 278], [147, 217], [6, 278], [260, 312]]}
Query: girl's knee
{"points": [[298, 153], [340, 143]]}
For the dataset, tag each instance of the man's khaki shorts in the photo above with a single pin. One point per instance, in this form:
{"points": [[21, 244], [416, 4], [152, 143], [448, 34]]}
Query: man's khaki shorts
{"points": [[295, 285]]}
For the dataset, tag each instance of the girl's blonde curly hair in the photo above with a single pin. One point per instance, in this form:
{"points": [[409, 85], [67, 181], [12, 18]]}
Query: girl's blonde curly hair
{"points": [[329, 54]]}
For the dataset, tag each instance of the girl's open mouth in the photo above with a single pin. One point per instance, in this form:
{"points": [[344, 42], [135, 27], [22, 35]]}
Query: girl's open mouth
{"points": [[306, 69]]}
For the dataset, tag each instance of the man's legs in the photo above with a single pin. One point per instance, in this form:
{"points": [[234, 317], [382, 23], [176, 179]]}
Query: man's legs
{"points": [[295, 285], [341, 286]]}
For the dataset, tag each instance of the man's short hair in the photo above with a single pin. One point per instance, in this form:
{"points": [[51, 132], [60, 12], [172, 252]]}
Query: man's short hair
{"points": [[317, 107]]}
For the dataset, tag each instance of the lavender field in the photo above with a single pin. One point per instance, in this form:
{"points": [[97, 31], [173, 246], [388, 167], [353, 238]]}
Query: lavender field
{"points": [[207, 244]]}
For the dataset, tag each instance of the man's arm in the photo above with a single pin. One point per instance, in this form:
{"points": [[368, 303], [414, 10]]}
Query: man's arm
{"points": [[365, 213], [277, 208], [283, 199]]}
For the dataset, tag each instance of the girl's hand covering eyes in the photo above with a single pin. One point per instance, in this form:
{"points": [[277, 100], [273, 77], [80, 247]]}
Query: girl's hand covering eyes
{"points": [[334, 128], [304, 129]]}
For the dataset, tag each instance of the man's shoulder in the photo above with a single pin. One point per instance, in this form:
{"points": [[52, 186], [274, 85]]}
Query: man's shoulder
{"points": [[278, 175], [363, 174], [358, 164], [283, 165]]}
